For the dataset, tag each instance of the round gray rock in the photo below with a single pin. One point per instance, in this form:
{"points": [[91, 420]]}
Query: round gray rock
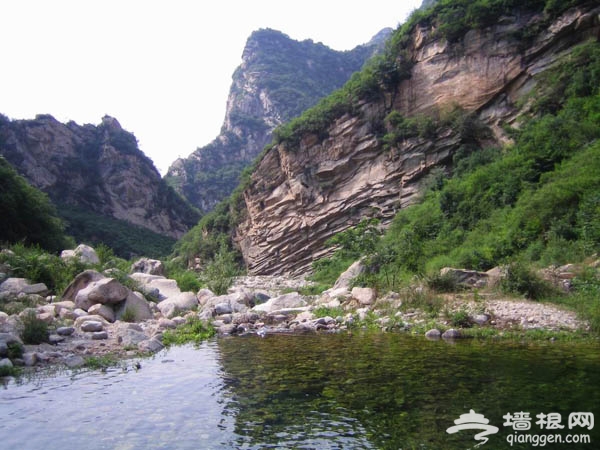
{"points": [[91, 326]]}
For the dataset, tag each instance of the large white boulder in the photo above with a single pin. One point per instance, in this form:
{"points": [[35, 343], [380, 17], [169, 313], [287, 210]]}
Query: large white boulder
{"points": [[177, 304], [149, 266], [152, 284], [85, 253], [138, 307], [106, 290], [286, 301]]}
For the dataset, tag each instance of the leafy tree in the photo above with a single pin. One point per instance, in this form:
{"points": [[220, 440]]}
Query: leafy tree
{"points": [[26, 214]]}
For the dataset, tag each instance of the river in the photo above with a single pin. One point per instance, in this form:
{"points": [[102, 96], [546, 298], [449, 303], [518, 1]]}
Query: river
{"points": [[341, 391]]}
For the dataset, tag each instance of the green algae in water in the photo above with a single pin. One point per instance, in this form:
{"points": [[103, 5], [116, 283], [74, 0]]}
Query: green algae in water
{"points": [[390, 391]]}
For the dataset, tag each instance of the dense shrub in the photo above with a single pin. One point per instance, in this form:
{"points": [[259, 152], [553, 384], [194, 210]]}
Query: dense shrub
{"points": [[34, 331], [26, 214]]}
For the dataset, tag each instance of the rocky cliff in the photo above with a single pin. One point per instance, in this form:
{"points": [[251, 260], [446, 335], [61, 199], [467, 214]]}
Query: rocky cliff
{"points": [[463, 88], [277, 80], [95, 168]]}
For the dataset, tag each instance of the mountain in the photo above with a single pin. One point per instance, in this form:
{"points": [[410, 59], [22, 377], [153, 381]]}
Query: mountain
{"points": [[457, 79], [97, 170], [277, 80]]}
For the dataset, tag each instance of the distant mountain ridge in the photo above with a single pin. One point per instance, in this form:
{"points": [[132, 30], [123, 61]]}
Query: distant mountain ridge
{"points": [[278, 79], [96, 169]]}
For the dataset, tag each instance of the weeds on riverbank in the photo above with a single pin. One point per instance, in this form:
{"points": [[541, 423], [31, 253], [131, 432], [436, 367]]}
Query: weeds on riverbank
{"points": [[194, 330], [100, 362]]}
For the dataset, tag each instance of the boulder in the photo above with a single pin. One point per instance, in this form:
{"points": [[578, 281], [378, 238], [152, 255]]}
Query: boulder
{"points": [[80, 282], [138, 307], [103, 310], [286, 301], [480, 319], [16, 286], [91, 326], [104, 291], [204, 295], [223, 308], [365, 296], [36, 289], [149, 266], [174, 305], [65, 331], [85, 253], [74, 361], [99, 335], [46, 317], [30, 359], [152, 284], [150, 346], [130, 338], [5, 363], [344, 281], [9, 338], [433, 334], [451, 334], [80, 320]]}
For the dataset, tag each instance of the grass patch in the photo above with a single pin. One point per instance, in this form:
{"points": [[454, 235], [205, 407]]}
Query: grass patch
{"points": [[584, 298], [6, 371], [128, 315], [194, 330], [314, 289], [35, 331], [460, 319], [326, 311], [100, 362]]}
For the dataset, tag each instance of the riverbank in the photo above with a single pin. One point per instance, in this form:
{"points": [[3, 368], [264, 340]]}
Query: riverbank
{"points": [[266, 305]]}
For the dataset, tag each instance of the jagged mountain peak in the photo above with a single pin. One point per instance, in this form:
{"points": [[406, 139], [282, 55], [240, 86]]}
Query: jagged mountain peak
{"points": [[278, 79], [95, 168]]}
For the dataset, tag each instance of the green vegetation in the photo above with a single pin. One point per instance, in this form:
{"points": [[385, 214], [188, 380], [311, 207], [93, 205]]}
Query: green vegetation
{"points": [[35, 331], [102, 362], [194, 330], [38, 266], [127, 240], [532, 204], [12, 371], [295, 75], [351, 245], [326, 311], [220, 271], [26, 214]]}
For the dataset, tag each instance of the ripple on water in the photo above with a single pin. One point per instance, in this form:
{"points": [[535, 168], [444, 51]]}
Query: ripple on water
{"points": [[316, 392]]}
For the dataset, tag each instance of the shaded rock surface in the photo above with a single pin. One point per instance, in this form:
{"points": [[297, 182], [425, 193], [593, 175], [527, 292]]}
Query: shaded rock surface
{"points": [[107, 173], [301, 195]]}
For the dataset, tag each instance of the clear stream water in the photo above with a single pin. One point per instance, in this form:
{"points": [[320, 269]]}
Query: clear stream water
{"points": [[343, 391]]}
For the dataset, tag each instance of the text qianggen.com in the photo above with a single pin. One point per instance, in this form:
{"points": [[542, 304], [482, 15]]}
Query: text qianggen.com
{"points": [[541, 440]]}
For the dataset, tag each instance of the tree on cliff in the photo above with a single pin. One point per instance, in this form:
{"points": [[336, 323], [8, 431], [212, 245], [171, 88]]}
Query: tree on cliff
{"points": [[26, 213]]}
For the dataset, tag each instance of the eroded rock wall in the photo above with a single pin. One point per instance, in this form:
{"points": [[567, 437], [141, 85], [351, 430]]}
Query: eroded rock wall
{"points": [[300, 197]]}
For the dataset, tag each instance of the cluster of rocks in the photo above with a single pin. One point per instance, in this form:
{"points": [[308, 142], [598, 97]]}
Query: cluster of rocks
{"points": [[97, 314]]}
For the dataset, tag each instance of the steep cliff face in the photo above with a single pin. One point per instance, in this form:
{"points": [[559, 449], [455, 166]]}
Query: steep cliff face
{"points": [[301, 195], [277, 80], [96, 168]]}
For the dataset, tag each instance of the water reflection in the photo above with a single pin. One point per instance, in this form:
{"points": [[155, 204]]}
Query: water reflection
{"points": [[306, 392], [394, 391]]}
